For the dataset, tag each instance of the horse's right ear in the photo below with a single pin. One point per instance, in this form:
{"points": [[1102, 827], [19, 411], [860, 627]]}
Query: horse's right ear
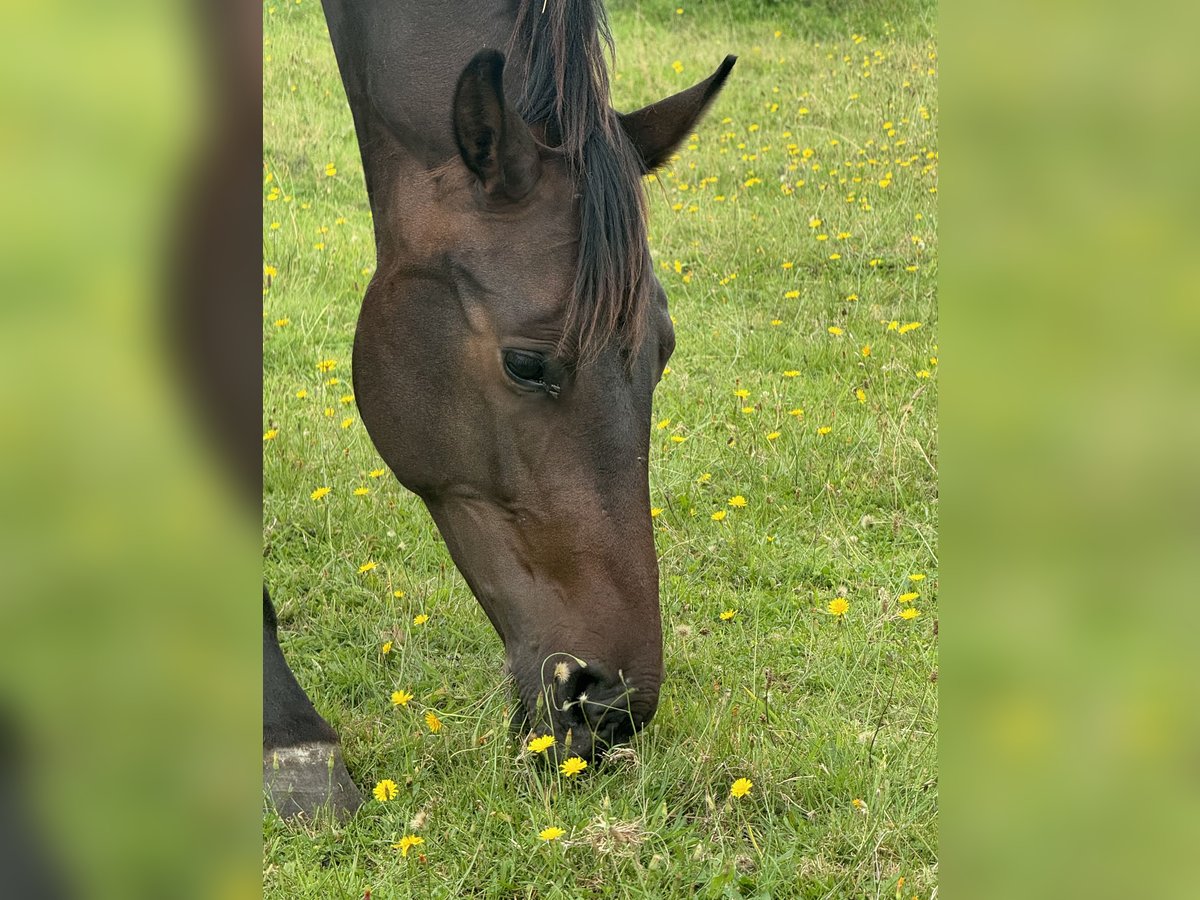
{"points": [[494, 142], [656, 130]]}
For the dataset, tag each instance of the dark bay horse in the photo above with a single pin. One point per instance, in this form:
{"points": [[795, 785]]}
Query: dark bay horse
{"points": [[507, 349]]}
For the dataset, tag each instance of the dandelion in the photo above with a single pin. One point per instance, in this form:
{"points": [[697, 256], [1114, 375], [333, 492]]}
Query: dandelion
{"points": [[718, 515], [406, 843], [741, 393], [797, 412], [748, 410], [813, 222], [327, 365], [919, 576], [824, 430], [302, 393], [741, 787], [909, 597], [791, 295], [728, 614], [367, 566], [347, 422], [738, 501], [866, 350], [386, 790], [861, 395], [910, 326], [655, 512], [270, 271], [319, 493], [434, 723], [280, 323], [401, 698], [420, 619], [773, 435], [791, 373], [705, 478], [677, 66], [397, 594], [573, 766], [909, 612], [859, 805], [838, 606], [775, 323], [542, 744], [361, 491], [271, 435], [551, 834], [924, 373], [330, 170], [663, 424], [376, 473], [835, 331], [677, 439], [386, 648]]}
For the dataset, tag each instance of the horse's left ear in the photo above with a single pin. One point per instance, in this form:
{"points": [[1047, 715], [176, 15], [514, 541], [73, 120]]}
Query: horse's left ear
{"points": [[656, 130]]}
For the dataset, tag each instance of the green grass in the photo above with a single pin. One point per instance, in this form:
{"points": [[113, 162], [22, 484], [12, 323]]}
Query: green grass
{"points": [[817, 711]]}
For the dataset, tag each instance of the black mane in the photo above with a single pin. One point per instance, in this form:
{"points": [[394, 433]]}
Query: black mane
{"points": [[562, 43]]}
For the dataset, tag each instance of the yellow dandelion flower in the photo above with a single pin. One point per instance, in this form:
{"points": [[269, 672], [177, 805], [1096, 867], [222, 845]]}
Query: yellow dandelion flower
{"points": [[866, 350], [420, 619], [797, 412], [677, 439], [728, 614], [327, 365], [349, 398], [861, 395], [741, 393], [397, 594], [741, 787], [919, 576], [386, 790], [386, 648], [911, 326], [302, 393], [824, 429], [748, 410], [271, 435], [655, 512], [665, 423], [401, 698], [738, 501], [705, 478], [551, 834], [775, 323], [330, 170], [270, 271], [791, 373], [280, 323], [786, 265], [367, 566], [813, 222], [347, 422], [909, 612], [376, 473], [573, 766], [718, 515], [791, 295], [541, 744], [858, 804], [838, 606], [835, 331], [677, 66], [361, 491], [434, 723], [773, 435], [924, 373], [909, 597], [319, 493], [407, 842]]}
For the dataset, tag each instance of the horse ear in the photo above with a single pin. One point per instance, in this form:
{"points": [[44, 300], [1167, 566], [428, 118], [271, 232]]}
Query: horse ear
{"points": [[494, 142], [656, 130]]}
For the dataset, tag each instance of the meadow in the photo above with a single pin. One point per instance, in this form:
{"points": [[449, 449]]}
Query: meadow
{"points": [[793, 475]]}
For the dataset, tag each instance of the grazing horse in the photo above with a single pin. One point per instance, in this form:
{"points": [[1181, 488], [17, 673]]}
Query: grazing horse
{"points": [[507, 349]]}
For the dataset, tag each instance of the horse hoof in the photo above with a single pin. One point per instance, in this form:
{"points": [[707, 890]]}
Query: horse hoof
{"points": [[309, 779]]}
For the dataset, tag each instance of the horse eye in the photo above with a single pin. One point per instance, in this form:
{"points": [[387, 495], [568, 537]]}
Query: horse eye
{"points": [[524, 366]]}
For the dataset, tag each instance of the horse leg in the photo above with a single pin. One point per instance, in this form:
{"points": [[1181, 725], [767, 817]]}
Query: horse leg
{"points": [[303, 769]]}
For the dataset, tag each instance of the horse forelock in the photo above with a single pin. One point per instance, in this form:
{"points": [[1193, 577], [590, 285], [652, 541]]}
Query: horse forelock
{"points": [[562, 45]]}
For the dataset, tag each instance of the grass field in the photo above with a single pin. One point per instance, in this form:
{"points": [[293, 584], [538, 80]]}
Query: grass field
{"points": [[796, 235]]}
